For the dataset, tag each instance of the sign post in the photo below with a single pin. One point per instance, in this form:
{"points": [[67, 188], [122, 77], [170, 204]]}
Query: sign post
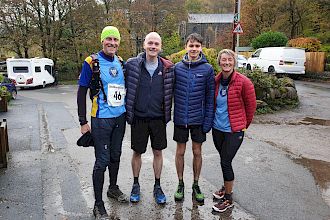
{"points": [[237, 29]]}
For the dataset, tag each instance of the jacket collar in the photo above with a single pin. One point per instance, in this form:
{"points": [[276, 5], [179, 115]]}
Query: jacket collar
{"points": [[218, 77], [202, 59]]}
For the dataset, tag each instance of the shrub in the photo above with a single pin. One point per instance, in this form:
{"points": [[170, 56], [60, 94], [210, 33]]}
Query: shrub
{"points": [[265, 84], [269, 39], [210, 53], [309, 43], [5, 93], [171, 44]]}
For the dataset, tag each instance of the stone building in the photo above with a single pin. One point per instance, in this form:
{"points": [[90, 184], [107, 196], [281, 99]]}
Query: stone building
{"points": [[216, 29]]}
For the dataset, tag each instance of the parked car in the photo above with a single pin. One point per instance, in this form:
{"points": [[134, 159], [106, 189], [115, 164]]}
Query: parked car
{"points": [[10, 86], [288, 60], [241, 61]]}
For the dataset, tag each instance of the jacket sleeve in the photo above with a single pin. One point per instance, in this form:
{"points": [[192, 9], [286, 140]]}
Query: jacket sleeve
{"points": [[81, 102], [209, 102], [250, 102]]}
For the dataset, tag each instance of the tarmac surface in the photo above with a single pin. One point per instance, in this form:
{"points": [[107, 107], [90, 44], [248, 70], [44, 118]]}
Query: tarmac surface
{"points": [[281, 170]]}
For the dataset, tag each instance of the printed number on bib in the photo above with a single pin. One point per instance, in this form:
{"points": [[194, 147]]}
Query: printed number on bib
{"points": [[116, 95]]}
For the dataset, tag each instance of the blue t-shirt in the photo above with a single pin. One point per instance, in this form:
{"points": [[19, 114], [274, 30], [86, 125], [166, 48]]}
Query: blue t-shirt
{"points": [[221, 119], [111, 72]]}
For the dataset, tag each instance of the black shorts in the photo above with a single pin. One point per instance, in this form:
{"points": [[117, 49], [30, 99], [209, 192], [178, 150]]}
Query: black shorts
{"points": [[141, 129], [181, 133]]}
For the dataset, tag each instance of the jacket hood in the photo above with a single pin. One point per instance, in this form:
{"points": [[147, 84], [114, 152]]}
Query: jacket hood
{"points": [[202, 59]]}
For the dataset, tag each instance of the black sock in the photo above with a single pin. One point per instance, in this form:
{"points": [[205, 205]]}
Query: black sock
{"points": [[228, 197], [181, 183], [196, 182], [136, 180], [157, 182]]}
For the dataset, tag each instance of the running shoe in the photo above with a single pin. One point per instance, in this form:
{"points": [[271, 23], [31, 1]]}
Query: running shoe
{"points": [[115, 193], [219, 194], [197, 194], [99, 212], [159, 195], [135, 194], [223, 205], [179, 194]]}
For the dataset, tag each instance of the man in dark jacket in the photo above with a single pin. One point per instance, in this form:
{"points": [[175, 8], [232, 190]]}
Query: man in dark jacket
{"points": [[193, 110], [149, 83]]}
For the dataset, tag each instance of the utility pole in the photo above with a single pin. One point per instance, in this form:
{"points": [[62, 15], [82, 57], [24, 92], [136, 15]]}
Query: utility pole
{"points": [[236, 25], [239, 19]]}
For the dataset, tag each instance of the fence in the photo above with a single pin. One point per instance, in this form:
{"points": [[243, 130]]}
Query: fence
{"points": [[315, 62], [4, 147]]}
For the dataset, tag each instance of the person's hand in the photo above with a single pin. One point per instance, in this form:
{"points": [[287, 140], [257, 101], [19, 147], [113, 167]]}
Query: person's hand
{"points": [[84, 128]]}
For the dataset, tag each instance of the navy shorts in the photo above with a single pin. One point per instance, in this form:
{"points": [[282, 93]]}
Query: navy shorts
{"points": [[141, 129], [181, 133]]}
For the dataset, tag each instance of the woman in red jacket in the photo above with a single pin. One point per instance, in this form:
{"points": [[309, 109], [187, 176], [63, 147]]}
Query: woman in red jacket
{"points": [[235, 105]]}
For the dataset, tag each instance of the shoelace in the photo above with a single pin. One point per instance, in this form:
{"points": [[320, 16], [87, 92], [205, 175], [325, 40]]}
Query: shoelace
{"points": [[198, 191], [180, 188], [135, 189], [159, 191], [118, 192]]}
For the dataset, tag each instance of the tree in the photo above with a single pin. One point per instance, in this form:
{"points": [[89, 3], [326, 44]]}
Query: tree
{"points": [[17, 26], [269, 39]]}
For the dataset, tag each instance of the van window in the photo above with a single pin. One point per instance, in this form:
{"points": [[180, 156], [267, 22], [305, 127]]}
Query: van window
{"points": [[20, 69], [48, 68], [257, 53], [37, 69]]}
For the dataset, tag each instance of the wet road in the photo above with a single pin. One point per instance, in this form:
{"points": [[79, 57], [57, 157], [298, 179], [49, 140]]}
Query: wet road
{"points": [[282, 168]]}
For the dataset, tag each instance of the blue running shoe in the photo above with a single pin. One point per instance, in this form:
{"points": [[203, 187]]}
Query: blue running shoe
{"points": [[135, 194], [159, 195]]}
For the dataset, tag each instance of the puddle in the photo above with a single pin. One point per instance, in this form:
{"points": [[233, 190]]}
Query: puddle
{"points": [[320, 171], [264, 122], [315, 121], [304, 121]]}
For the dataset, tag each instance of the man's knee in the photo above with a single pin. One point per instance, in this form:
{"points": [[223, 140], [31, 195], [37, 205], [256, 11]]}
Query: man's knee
{"points": [[157, 153], [115, 157], [197, 151], [136, 156], [100, 166], [180, 149]]}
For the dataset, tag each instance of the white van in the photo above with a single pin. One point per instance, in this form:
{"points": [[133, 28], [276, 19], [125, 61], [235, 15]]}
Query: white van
{"points": [[287, 60], [30, 72]]}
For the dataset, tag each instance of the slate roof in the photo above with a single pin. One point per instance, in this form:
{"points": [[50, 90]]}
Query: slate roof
{"points": [[210, 18]]}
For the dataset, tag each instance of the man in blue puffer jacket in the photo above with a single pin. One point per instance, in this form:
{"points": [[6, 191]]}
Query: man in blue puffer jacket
{"points": [[193, 110], [149, 83]]}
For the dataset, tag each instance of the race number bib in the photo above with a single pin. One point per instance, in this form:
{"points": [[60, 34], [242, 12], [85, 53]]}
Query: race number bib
{"points": [[116, 95]]}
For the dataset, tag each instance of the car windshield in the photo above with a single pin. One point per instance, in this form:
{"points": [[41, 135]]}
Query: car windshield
{"points": [[241, 57]]}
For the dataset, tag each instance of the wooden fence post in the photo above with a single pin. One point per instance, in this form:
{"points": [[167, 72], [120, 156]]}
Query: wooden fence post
{"points": [[4, 148], [3, 104], [315, 62]]}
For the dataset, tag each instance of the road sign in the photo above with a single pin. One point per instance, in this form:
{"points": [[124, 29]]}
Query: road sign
{"points": [[238, 29], [236, 18]]}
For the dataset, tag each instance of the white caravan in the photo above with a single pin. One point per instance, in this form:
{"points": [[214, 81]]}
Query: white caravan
{"points": [[30, 72], [287, 60]]}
